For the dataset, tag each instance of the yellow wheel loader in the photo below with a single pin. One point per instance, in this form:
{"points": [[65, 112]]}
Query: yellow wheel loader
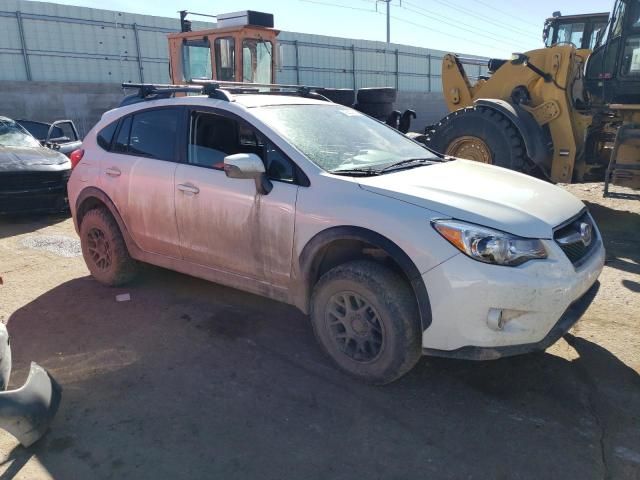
{"points": [[555, 112]]}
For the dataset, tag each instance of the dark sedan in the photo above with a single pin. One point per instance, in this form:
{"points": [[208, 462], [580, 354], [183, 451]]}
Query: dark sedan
{"points": [[33, 178]]}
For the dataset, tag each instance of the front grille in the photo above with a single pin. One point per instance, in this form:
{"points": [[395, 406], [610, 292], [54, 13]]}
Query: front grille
{"points": [[572, 239], [25, 181]]}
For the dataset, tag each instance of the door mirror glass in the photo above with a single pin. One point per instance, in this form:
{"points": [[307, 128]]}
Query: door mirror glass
{"points": [[243, 165]]}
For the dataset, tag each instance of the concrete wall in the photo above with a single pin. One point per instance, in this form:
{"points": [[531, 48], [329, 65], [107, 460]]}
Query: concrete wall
{"points": [[83, 103], [429, 106]]}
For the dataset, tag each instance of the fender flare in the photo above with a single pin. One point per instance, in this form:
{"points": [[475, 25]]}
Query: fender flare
{"points": [[94, 192], [310, 260], [535, 138]]}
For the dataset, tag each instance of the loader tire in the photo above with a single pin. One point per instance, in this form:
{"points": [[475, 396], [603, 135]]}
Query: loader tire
{"points": [[481, 134], [342, 96], [377, 95]]}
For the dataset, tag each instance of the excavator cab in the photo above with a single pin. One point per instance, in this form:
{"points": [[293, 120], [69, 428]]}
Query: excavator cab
{"points": [[241, 48], [612, 73], [581, 31]]}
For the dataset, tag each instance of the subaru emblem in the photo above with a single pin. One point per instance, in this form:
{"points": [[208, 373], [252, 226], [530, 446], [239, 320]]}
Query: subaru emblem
{"points": [[586, 233]]}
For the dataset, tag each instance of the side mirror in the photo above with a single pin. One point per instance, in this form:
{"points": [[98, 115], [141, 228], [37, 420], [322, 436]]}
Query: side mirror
{"points": [[248, 166]]}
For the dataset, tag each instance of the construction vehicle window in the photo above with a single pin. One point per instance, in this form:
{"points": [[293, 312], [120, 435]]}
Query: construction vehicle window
{"points": [[595, 32], [618, 21], [225, 55], [196, 60], [571, 33], [631, 56], [256, 61]]}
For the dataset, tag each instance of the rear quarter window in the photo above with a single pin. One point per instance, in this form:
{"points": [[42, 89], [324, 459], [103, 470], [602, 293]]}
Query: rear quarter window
{"points": [[105, 136]]}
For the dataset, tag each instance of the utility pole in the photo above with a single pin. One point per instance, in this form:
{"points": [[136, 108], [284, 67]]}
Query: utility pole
{"points": [[388, 21], [388, 2]]}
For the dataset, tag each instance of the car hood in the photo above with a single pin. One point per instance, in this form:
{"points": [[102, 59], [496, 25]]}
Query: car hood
{"points": [[15, 159], [483, 194]]}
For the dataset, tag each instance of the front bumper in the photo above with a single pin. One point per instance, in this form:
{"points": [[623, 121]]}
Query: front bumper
{"points": [[537, 302], [567, 320], [26, 412]]}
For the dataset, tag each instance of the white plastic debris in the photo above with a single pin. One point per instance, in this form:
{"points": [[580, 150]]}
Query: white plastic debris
{"points": [[123, 297]]}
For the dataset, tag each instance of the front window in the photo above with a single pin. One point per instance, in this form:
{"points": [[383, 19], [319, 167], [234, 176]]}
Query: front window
{"points": [[256, 61], [13, 135], [339, 138], [571, 33], [225, 59], [196, 60]]}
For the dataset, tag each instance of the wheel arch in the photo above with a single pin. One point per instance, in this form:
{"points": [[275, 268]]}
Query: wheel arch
{"points": [[92, 197], [337, 245], [534, 136]]}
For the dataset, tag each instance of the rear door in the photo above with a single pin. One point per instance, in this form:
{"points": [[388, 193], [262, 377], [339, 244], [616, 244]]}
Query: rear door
{"points": [[225, 223], [138, 175]]}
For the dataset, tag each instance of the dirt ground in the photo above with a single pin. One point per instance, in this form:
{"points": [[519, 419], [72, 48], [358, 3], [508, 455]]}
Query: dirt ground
{"points": [[193, 380]]}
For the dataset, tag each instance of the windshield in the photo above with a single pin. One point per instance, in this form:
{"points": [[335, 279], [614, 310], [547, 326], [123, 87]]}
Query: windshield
{"points": [[13, 135], [339, 138]]}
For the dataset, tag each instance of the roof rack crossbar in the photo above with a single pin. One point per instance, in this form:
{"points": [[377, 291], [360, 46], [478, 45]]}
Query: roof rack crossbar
{"points": [[220, 90]]}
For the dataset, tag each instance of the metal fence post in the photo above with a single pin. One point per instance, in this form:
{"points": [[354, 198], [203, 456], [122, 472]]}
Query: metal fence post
{"points": [[23, 44], [295, 45], [140, 67], [353, 65], [429, 71], [397, 71]]}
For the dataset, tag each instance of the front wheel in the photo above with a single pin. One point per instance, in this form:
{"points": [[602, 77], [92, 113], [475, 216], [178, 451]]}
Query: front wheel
{"points": [[365, 317]]}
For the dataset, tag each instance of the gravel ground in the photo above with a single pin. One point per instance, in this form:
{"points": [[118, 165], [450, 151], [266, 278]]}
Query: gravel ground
{"points": [[188, 379]]}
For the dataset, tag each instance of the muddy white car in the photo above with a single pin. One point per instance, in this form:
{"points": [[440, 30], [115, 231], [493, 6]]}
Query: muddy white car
{"points": [[392, 250]]}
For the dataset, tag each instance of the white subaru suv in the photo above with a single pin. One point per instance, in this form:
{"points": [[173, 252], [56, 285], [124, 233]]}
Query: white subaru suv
{"points": [[392, 250]]}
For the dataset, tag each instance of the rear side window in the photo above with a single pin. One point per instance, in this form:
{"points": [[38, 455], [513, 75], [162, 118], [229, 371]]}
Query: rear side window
{"points": [[120, 145], [105, 136], [154, 133]]}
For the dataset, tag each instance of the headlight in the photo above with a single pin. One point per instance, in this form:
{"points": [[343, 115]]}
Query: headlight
{"points": [[489, 246]]}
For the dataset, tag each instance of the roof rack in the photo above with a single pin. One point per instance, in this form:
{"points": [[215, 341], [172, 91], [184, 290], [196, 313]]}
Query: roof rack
{"points": [[220, 90]]}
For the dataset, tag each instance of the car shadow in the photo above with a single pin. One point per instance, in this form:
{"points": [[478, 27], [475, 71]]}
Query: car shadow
{"points": [[11, 225], [193, 380], [621, 235]]}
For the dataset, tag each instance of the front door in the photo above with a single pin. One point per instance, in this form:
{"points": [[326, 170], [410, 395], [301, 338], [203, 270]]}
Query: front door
{"points": [[225, 223]]}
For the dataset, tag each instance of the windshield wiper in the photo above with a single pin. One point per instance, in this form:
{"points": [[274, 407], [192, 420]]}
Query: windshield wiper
{"points": [[361, 172], [408, 162]]}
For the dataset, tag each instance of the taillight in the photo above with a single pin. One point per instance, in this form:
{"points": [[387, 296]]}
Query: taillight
{"points": [[75, 157]]}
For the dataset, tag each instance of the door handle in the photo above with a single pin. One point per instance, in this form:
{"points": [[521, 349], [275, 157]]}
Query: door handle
{"points": [[188, 188], [113, 172]]}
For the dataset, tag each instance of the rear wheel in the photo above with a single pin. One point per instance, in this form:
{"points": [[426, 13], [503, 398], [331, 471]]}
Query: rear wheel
{"points": [[104, 249], [480, 134], [365, 317]]}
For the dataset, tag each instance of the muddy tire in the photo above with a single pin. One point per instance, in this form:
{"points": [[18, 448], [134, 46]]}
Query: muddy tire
{"points": [[488, 135], [104, 249], [366, 319]]}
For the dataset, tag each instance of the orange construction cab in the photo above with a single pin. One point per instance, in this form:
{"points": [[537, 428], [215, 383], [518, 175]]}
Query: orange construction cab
{"points": [[241, 48]]}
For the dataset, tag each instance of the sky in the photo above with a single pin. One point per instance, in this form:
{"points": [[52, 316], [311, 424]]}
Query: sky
{"points": [[492, 28]]}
